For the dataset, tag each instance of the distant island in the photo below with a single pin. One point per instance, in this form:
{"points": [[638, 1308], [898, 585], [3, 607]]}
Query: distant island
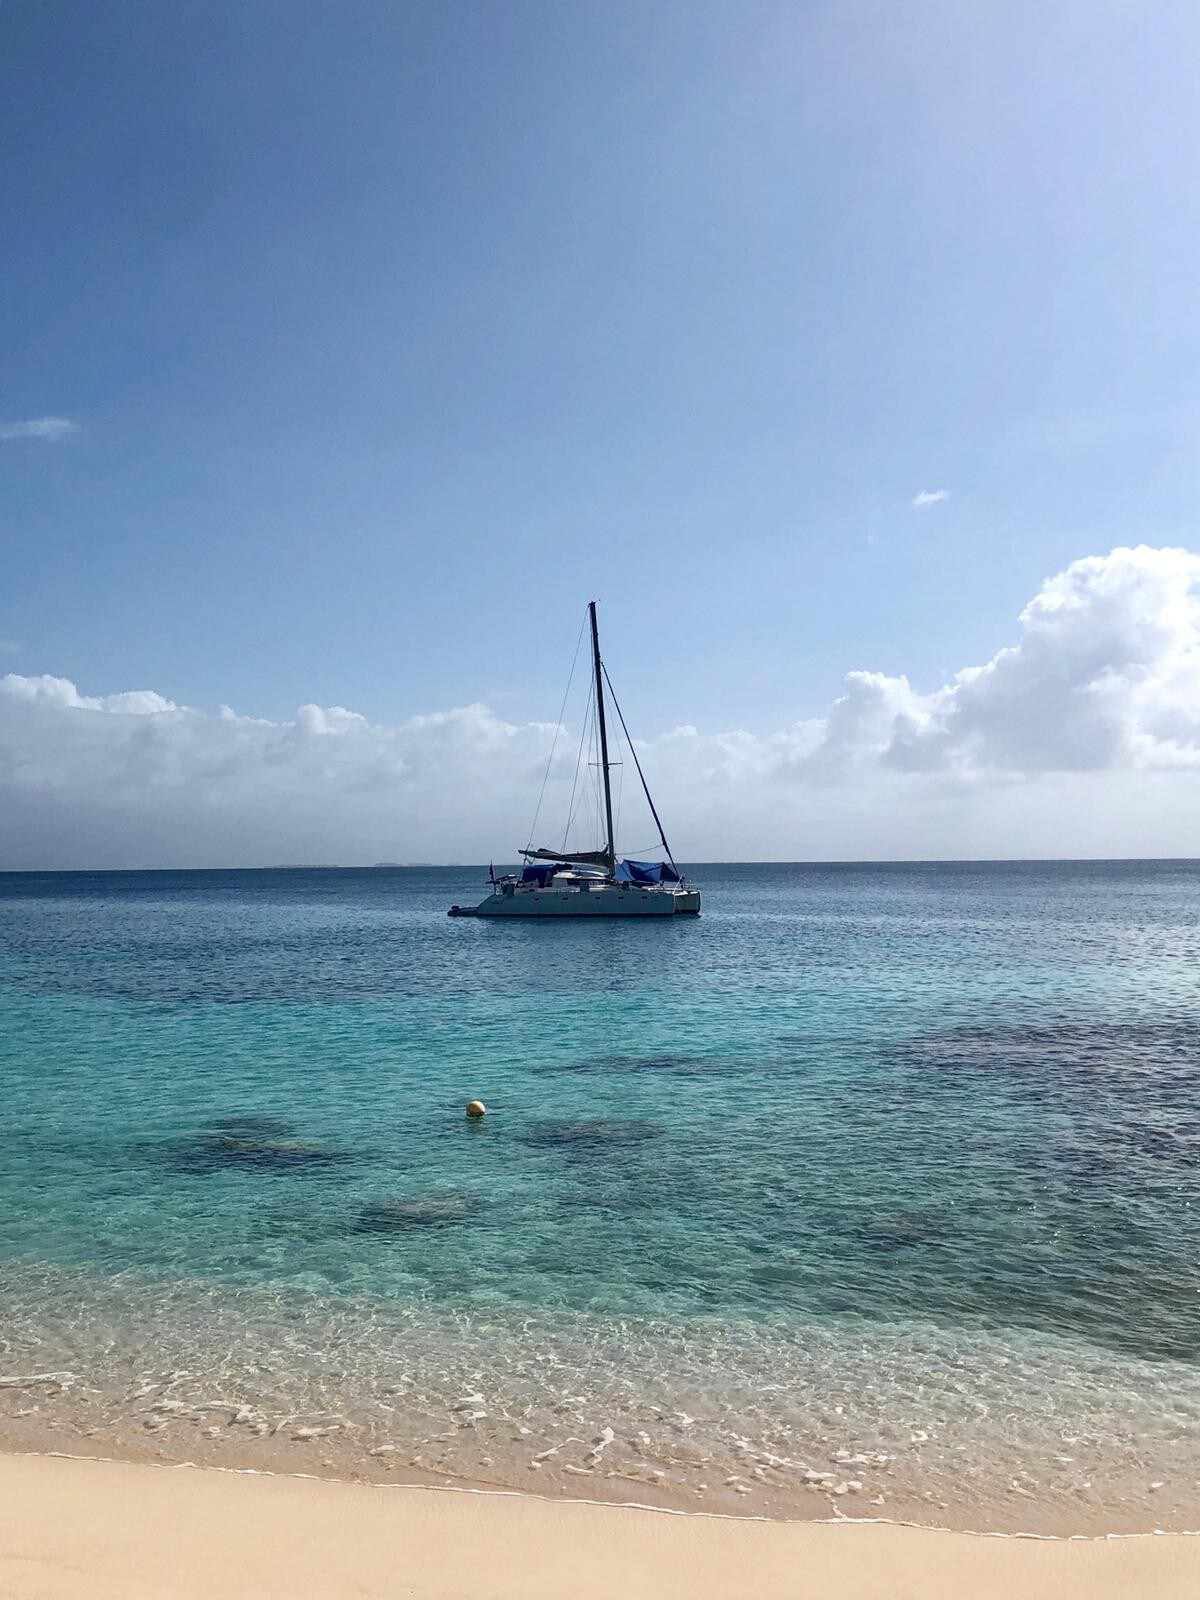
{"points": [[339, 866]]}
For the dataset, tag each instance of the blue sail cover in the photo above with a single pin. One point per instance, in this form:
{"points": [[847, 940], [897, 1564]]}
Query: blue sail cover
{"points": [[646, 872], [542, 872]]}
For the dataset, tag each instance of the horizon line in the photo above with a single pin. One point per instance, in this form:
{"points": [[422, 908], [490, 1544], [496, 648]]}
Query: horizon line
{"points": [[449, 866]]}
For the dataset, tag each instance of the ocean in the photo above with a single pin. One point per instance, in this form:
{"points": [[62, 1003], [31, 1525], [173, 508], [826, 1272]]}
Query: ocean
{"points": [[874, 1191]]}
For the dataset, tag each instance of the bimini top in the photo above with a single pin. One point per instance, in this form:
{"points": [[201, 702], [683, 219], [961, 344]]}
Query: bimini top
{"points": [[542, 872], [646, 872]]}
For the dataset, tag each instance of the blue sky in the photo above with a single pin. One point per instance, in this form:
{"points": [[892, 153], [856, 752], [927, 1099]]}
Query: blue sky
{"points": [[391, 333]]}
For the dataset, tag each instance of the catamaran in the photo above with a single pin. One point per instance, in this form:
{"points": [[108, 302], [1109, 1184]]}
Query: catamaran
{"points": [[592, 883]]}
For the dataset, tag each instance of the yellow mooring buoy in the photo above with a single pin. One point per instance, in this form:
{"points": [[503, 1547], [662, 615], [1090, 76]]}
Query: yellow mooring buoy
{"points": [[476, 1108]]}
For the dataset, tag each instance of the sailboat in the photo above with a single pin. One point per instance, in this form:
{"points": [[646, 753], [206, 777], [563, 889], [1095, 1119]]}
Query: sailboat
{"points": [[592, 883]]}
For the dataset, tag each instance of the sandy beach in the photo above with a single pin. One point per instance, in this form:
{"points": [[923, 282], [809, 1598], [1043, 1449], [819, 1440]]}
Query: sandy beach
{"points": [[103, 1529]]}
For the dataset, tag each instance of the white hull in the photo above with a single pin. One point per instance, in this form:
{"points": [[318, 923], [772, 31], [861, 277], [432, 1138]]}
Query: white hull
{"points": [[611, 900]]}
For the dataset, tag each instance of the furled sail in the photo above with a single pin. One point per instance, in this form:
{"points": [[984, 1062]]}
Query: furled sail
{"points": [[580, 858]]}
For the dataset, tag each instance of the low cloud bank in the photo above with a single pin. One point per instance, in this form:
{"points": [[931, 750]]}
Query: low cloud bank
{"points": [[1082, 738]]}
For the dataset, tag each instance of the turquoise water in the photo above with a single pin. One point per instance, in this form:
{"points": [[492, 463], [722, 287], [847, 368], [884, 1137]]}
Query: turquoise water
{"points": [[885, 1179]]}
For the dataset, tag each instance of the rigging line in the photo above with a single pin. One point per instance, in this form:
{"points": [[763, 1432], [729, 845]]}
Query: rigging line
{"points": [[620, 792], [583, 733], [558, 728], [579, 758], [619, 764], [587, 793], [638, 765], [595, 826]]}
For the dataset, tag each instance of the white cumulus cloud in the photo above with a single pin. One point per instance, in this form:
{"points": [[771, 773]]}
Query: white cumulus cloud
{"points": [[928, 497], [49, 428], [1080, 738], [1106, 676]]}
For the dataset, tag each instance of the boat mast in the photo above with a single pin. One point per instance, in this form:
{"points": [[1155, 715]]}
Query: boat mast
{"points": [[610, 843]]}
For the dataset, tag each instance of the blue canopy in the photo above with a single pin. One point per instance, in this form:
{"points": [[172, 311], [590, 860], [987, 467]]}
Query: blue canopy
{"points": [[646, 872], [541, 872]]}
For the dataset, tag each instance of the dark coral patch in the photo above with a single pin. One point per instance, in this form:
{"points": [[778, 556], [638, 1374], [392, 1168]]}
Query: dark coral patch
{"points": [[897, 1230], [665, 1065], [250, 1125], [219, 1152], [419, 1211], [590, 1137]]}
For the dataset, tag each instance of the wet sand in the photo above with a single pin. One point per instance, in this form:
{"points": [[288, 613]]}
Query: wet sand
{"points": [[126, 1531]]}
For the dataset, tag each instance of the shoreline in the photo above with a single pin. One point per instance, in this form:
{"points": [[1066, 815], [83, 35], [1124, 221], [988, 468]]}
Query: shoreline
{"points": [[227, 1382], [57, 1415], [293, 1463], [109, 1529], [428, 1483]]}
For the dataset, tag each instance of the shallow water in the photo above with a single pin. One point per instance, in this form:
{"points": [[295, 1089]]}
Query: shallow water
{"points": [[879, 1180]]}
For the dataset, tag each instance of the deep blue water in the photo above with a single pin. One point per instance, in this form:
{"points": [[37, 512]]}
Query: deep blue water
{"points": [[964, 1096]]}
